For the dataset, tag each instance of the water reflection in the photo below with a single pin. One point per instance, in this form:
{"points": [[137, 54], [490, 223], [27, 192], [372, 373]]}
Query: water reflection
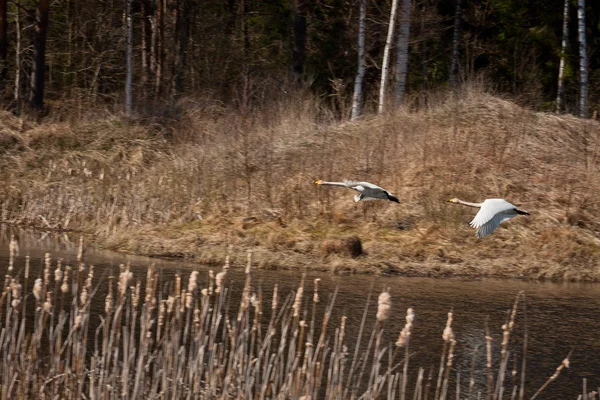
{"points": [[560, 317]]}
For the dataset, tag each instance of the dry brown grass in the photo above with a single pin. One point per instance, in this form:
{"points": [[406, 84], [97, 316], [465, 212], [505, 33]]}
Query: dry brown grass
{"points": [[216, 178]]}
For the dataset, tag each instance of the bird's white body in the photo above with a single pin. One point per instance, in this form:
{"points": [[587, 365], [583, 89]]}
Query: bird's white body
{"points": [[367, 190], [492, 212]]}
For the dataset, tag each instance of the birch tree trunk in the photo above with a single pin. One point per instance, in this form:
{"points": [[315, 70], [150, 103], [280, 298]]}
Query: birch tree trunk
{"points": [[386, 56], [455, 45], [36, 93], [402, 52], [561, 69], [583, 63], [128, 57], [3, 46], [360, 73]]}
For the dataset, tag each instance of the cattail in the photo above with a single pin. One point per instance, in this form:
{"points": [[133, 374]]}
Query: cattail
{"points": [[193, 282], [170, 304], [26, 267], [211, 278], [37, 289], [161, 313], [47, 261], [177, 284], [404, 336], [150, 283], [274, 302], [58, 274], [219, 281], [204, 292], [181, 301], [384, 305], [249, 263], [448, 333], [15, 303], [124, 278], [298, 301], [196, 318], [13, 250], [48, 302], [15, 289], [254, 300], [136, 294], [108, 303], [189, 299], [83, 297], [78, 319], [80, 252], [316, 294], [90, 277]]}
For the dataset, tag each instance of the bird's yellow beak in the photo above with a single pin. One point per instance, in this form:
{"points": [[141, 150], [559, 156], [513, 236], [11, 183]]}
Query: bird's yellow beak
{"points": [[318, 182], [452, 200]]}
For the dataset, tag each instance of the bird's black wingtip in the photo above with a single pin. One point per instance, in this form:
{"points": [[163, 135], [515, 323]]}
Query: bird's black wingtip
{"points": [[393, 198]]}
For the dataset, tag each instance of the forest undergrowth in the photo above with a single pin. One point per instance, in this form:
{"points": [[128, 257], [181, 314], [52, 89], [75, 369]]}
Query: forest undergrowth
{"points": [[212, 178]]}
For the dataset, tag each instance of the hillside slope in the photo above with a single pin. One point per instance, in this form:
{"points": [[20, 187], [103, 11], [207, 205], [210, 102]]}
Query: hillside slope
{"points": [[217, 178]]}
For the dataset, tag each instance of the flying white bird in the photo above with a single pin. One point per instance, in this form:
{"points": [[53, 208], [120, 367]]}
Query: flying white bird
{"points": [[368, 191], [492, 212]]}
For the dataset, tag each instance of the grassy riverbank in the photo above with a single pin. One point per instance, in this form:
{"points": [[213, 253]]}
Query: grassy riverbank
{"points": [[215, 178]]}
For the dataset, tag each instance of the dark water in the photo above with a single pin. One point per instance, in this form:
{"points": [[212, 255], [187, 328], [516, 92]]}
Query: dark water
{"points": [[561, 316]]}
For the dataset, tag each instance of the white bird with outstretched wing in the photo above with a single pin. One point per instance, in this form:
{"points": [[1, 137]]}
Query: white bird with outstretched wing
{"points": [[492, 212], [367, 190]]}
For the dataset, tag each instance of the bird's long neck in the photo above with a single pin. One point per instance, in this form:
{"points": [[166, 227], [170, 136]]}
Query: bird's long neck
{"points": [[332, 183], [466, 203]]}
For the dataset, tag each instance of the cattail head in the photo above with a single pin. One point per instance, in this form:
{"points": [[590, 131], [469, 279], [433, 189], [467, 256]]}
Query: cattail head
{"points": [[193, 282], [136, 294], [448, 333], [108, 303], [47, 262], [274, 302], [219, 281], [404, 336], [15, 288], [90, 277], [37, 289], [26, 267], [58, 274], [177, 284], [80, 252], [161, 313], [298, 301], [78, 320], [170, 304], [124, 278], [48, 302], [249, 263], [316, 293], [189, 300], [83, 297], [64, 288], [384, 305]]}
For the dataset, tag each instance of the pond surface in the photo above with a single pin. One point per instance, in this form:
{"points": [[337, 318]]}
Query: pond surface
{"points": [[561, 316]]}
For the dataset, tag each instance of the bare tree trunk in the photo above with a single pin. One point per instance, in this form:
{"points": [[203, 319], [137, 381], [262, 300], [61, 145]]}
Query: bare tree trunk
{"points": [[583, 63], [455, 45], [3, 47], [183, 33], [17, 93], [402, 52], [36, 94], [386, 56], [561, 69], [129, 56], [299, 54], [360, 73], [161, 7]]}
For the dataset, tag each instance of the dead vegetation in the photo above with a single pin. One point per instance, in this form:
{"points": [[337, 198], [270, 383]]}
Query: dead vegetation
{"points": [[216, 178]]}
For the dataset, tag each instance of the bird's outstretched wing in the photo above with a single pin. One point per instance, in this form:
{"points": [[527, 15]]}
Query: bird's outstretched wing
{"points": [[489, 209], [493, 223]]}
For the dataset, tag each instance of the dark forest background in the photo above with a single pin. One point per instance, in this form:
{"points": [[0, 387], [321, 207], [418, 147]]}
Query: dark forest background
{"points": [[245, 53]]}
